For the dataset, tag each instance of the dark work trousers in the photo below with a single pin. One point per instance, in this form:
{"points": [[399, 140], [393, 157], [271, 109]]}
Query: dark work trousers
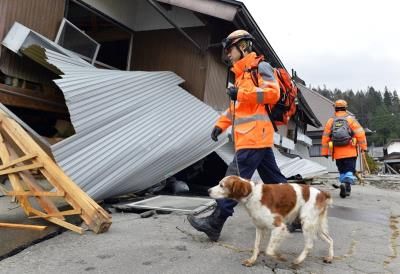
{"points": [[346, 164], [248, 160]]}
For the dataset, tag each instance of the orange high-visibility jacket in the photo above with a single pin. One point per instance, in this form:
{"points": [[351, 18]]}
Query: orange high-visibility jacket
{"points": [[252, 127], [349, 150]]}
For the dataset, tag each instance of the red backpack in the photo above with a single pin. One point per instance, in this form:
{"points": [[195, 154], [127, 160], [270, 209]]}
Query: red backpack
{"points": [[285, 108]]}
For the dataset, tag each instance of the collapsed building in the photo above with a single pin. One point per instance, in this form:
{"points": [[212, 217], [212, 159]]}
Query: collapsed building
{"points": [[123, 95]]}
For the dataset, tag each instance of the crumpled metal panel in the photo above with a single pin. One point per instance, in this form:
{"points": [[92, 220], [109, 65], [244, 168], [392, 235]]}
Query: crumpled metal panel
{"points": [[41, 55], [133, 128]]}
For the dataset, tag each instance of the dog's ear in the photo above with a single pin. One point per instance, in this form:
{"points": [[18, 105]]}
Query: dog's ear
{"points": [[239, 188]]}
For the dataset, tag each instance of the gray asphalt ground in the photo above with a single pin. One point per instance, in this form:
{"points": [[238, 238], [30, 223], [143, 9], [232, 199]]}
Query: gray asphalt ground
{"points": [[365, 229]]}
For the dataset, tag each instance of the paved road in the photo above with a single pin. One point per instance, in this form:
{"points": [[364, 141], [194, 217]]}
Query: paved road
{"points": [[365, 229]]}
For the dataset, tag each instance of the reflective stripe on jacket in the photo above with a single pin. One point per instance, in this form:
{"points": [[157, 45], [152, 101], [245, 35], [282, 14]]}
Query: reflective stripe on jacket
{"points": [[349, 150], [253, 128]]}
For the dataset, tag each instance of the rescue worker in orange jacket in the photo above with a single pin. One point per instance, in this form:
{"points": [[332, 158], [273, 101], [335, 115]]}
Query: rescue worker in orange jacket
{"points": [[253, 130], [345, 135]]}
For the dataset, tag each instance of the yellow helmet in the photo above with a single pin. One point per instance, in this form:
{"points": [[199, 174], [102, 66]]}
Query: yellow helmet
{"points": [[235, 37], [340, 104]]}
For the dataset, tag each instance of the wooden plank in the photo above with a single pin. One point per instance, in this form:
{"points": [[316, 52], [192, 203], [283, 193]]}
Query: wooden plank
{"points": [[57, 221], [44, 202], [20, 168], [360, 178], [97, 219], [92, 217], [392, 169], [365, 162], [61, 213], [35, 193], [17, 161], [31, 99], [22, 226], [14, 179]]}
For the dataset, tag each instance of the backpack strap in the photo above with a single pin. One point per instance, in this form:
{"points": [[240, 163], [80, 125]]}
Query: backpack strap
{"points": [[253, 70], [272, 120]]}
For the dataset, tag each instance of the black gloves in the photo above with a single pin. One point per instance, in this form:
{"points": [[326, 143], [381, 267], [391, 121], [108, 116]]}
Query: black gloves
{"points": [[215, 132], [232, 93]]}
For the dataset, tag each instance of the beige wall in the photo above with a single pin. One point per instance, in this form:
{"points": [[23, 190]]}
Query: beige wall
{"points": [[169, 50]]}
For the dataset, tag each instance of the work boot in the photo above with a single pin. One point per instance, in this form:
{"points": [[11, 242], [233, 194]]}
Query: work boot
{"points": [[211, 225], [295, 225], [342, 190], [348, 189]]}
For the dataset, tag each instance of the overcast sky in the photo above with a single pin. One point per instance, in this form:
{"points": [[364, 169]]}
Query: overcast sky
{"points": [[342, 44]]}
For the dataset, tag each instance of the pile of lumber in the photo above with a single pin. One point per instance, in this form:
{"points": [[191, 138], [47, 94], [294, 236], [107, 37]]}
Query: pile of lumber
{"points": [[21, 156]]}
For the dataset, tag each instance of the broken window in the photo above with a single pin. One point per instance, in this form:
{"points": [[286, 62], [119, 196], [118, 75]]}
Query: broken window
{"points": [[114, 39], [72, 38]]}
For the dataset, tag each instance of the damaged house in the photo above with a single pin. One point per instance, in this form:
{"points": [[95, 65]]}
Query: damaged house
{"points": [[131, 89]]}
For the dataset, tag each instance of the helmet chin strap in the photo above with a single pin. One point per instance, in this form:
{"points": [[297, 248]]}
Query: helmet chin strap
{"points": [[241, 52]]}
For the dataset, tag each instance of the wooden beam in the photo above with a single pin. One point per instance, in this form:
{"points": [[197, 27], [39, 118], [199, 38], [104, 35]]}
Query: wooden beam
{"points": [[14, 179], [16, 161], [62, 213], [365, 162], [45, 203], [57, 221], [35, 193], [392, 169], [97, 219], [22, 226], [32, 99], [21, 168]]}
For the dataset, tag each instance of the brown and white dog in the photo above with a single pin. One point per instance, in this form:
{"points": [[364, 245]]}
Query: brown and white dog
{"points": [[272, 205]]}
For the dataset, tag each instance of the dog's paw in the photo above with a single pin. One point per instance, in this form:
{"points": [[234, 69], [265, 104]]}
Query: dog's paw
{"points": [[328, 260], [296, 262], [276, 256], [294, 266], [248, 262], [279, 257]]}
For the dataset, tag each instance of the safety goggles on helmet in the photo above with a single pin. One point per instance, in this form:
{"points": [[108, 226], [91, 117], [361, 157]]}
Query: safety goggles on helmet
{"points": [[231, 41]]}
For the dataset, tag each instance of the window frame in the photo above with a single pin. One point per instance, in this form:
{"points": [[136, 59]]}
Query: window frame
{"points": [[60, 30]]}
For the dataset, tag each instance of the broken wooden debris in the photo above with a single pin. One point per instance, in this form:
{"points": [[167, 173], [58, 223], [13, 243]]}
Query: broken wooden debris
{"points": [[20, 155], [23, 226]]}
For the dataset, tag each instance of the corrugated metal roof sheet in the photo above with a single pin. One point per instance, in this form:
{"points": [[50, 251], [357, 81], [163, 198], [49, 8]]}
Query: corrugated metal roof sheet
{"points": [[133, 129], [67, 63]]}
